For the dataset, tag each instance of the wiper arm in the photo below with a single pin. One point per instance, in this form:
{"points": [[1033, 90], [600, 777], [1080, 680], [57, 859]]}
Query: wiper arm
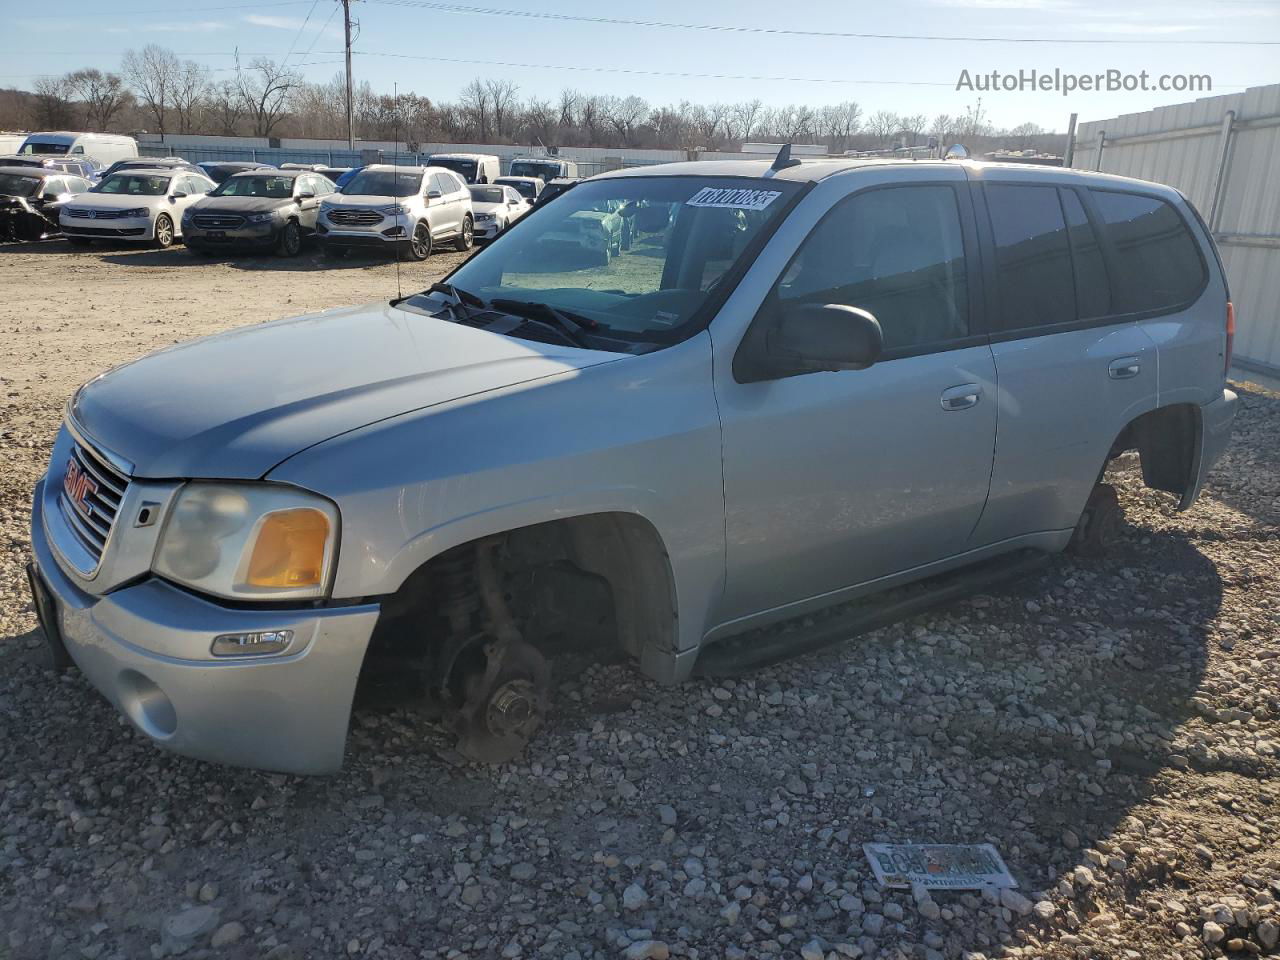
{"points": [[574, 325]]}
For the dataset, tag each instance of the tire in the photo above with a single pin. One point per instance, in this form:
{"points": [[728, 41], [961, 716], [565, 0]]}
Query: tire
{"points": [[1100, 523], [163, 233], [79, 241], [467, 238], [332, 252], [289, 242], [420, 241]]}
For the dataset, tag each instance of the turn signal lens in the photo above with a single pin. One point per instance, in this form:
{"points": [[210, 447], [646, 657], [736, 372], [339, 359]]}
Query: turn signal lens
{"points": [[289, 550]]}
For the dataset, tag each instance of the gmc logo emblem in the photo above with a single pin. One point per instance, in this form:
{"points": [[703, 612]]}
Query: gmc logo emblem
{"points": [[78, 485]]}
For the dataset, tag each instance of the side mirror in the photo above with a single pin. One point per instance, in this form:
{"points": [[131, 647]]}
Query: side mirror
{"points": [[306, 196], [816, 337], [178, 196], [48, 198], [434, 194]]}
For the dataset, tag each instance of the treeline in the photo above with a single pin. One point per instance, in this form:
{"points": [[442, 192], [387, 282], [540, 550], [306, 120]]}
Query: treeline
{"points": [[157, 92]]}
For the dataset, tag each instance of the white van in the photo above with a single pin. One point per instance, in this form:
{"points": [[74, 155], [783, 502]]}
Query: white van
{"points": [[547, 168], [106, 148], [471, 167]]}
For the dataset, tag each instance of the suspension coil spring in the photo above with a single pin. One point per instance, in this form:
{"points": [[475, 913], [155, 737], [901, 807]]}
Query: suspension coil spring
{"points": [[460, 595]]}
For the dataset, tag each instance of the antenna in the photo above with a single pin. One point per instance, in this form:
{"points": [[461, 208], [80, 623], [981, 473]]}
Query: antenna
{"points": [[783, 159], [395, 180]]}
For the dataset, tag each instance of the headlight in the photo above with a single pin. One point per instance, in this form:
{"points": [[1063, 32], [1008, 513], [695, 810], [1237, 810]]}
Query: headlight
{"points": [[187, 214], [392, 209], [483, 217], [256, 541], [137, 212], [262, 217]]}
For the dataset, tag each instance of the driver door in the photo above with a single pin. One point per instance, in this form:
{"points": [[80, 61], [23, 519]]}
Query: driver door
{"points": [[835, 479]]}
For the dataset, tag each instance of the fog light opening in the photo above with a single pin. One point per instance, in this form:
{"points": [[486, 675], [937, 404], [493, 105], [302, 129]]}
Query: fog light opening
{"points": [[147, 706]]}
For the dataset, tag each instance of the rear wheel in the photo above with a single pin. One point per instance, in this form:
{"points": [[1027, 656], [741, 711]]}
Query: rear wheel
{"points": [[289, 243], [466, 237], [420, 241], [164, 232]]}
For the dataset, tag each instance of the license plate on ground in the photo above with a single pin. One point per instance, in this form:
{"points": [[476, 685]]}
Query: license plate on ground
{"points": [[938, 866]]}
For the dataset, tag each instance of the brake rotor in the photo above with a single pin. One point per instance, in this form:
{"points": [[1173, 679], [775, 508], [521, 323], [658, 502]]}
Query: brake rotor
{"points": [[505, 696]]}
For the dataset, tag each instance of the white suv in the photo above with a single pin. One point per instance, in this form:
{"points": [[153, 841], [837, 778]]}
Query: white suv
{"points": [[411, 208]]}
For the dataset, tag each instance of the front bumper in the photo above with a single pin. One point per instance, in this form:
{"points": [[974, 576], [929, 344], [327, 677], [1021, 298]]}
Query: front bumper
{"points": [[248, 235], [486, 230], [145, 646], [132, 228]]}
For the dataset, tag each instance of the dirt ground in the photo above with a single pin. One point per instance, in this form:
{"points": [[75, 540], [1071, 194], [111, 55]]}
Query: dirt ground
{"points": [[1112, 727]]}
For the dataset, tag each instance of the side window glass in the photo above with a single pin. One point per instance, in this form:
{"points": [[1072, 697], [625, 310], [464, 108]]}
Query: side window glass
{"points": [[1093, 289], [1033, 260], [896, 252], [1159, 263]]}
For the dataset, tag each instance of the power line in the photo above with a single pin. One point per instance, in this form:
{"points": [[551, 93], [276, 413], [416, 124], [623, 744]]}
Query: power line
{"points": [[442, 7], [115, 12], [297, 35], [320, 33]]}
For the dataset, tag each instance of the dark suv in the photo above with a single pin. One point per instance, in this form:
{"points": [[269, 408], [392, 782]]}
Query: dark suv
{"points": [[257, 208]]}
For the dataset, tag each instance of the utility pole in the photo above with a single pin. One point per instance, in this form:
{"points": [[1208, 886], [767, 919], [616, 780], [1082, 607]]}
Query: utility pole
{"points": [[346, 23]]}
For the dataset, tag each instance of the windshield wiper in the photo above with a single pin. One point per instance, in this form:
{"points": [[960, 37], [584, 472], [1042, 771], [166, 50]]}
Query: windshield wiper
{"points": [[575, 326], [460, 297]]}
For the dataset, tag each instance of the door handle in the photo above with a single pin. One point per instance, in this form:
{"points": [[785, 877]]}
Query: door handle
{"points": [[1124, 368], [961, 397]]}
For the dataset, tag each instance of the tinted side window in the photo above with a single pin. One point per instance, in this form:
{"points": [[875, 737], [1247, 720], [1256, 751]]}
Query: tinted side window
{"points": [[1158, 262], [1033, 260], [1093, 289], [897, 252]]}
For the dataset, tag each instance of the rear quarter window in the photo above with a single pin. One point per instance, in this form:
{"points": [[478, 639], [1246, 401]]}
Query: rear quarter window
{"points": [[1158, 263]]}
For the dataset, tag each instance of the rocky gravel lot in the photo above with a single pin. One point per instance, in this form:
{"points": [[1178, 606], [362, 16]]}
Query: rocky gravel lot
{"points": [[1112, 726]]}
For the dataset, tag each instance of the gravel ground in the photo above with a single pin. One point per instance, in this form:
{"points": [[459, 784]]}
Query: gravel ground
{"points": [[1113, 727]]}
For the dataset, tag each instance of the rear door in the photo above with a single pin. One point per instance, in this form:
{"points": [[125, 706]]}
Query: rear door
{"points": [[445, 211], [836, 479], [1073, 368]]}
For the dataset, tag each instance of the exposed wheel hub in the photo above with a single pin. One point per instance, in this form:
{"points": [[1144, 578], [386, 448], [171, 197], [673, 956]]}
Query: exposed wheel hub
{"points": [[497, 694]]}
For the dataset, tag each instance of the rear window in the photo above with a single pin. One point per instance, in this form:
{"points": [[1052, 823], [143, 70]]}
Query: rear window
{"points": [[1158, 262], [1033, 257]]}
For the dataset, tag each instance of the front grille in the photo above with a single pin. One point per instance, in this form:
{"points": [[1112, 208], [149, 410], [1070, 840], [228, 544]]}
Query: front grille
{"points": [[349, 217], [90, 498], [218, 221], [83, 213]]}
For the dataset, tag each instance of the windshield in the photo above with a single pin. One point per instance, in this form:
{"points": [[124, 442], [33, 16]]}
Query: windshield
{"points": [[35, 147], [637, 255], [487, 194], [534, 168], [523, 186], [244, 185], [16, 185], [383, 183], [133, 184], [464, 168]]}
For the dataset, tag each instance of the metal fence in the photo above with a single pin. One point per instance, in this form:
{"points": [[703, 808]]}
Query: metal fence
{"points": [[339, 158], [1224, 154]]}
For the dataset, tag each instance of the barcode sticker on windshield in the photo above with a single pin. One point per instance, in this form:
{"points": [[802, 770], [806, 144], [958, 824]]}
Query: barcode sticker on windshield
{"points": [[733, 198]]}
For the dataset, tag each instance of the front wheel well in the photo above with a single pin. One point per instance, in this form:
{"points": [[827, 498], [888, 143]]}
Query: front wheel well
{"points": [[595, 585]]}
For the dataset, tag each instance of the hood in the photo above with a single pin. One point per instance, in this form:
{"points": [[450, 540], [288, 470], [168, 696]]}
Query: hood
{"points": [[240, 204], [233, 406], [116, 201], [363, 200]]}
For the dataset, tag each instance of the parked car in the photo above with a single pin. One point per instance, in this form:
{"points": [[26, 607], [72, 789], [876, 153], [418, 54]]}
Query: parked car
{"points": [[527, 187], [259, 209], [153, 163], [405, 209], [106, 147], [496, 208], [30, 198], [76, 166], [334, 173], [821, 381], [219, 170], [313, 167], [597, 233], [554, 188], [545, 169], [471, 167], [144, 205]]}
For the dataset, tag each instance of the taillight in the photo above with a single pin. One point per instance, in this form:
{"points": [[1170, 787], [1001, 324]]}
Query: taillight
{"points": [[1231, 338]]}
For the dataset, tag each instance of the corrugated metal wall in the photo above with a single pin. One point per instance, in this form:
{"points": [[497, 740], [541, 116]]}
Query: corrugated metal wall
{"points": [[1229, 166]]}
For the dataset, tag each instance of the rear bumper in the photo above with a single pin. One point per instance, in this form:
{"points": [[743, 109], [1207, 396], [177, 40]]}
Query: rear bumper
{"points": [[146, 649]]}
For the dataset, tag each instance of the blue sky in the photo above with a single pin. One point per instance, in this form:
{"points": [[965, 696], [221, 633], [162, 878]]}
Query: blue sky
{"points": [[904, 76]]}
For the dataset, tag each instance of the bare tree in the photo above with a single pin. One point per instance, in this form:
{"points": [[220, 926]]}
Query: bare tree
{"points": [[567, 107], [974, 122], [153, 72], [225, 108], [103, 94], [745, 117], [882, 125], [265, 88], [941, 128], [714, 119], [190, 85], [592, 115], [627, 114], [540, 121], [51, 107], [502, 101], [1025, 133], [841, 121], [474, 102], [913, 125]]}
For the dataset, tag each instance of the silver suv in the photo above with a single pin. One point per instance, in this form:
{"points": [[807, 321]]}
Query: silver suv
{"points": [[797, 384], [407, 209]]}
